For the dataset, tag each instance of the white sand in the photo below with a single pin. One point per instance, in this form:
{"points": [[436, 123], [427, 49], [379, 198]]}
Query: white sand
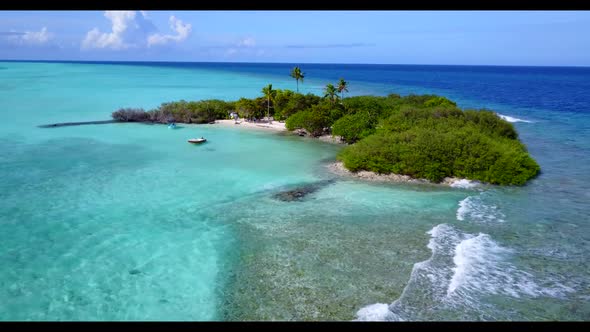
{"points": [[275, 125]]}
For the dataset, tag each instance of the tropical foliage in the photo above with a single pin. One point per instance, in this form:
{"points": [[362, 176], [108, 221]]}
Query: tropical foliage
{"points": [[269, 94], [202, 111], [424, 136], [287, 103], [298, 75], [342, 87], [443, 141], [353, 127], [331, 93], [313, 122]]}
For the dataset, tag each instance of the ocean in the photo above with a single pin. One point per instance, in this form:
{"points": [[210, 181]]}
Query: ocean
{"points": [[130, 222]]}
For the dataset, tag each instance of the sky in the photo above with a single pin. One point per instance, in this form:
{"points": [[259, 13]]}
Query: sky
{"points": [[534, 38]]}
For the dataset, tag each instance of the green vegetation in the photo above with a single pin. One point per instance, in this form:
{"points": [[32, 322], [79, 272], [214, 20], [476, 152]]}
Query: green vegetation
{"points": [[342, 86], [423, 136], [298, 75], [312, 121], [331, 93], [353, 127], [287, 103], [269, 94], [202, 111], [435, 140]]}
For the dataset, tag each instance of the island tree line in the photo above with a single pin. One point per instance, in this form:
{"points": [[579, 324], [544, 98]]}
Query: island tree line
{"points": [[423, 136]]}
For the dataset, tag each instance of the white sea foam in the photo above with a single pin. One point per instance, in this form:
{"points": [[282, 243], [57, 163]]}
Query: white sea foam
{"points": [[474, 208], [481, 267], [463, 208], [464, 183], [477, 256], [512, 119], [373, 312], [428, 279], [462, 270]]}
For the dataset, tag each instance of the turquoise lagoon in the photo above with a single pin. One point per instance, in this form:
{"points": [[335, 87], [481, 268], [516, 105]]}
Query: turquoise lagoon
{"points": [[130, 222]]}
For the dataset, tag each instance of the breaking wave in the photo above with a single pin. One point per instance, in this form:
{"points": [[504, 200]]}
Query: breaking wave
{"points": [[463, 269], [464, 183], [474, 208], [512, 119]]}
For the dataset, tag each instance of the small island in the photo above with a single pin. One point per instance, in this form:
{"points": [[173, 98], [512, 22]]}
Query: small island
{"points": [[422, 137]]}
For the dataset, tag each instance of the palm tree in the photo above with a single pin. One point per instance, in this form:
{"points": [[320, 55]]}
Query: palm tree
{"points": [[330, 92], [269, 93], [342, 86], [297, 74]]}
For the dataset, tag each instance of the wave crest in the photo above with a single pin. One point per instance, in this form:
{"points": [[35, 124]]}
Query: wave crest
{"points": [[475, 209], [512, 119], [464, 183], [463, 269]]}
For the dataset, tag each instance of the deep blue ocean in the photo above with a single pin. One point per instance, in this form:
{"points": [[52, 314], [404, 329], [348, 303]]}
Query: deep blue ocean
{"points": [[128, 222]]}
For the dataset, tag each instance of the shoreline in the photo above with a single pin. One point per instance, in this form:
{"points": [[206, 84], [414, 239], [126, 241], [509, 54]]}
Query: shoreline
{"points": [[338, 168], [276, 126]]}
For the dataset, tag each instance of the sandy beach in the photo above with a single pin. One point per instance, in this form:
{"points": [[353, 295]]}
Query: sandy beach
{"points": [[275, 125]]}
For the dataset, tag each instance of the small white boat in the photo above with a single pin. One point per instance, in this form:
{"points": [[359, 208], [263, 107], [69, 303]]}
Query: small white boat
{"points": [[197, 140]]}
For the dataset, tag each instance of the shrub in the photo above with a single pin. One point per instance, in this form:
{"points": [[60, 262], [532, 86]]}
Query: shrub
{"points": [[434, 148], [314, 122], [439, 101], [288, 103], [130, 115], [353, 127]]}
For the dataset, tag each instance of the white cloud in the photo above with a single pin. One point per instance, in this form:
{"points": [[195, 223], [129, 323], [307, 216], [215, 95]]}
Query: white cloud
{"points": [[37, 37], [28, 37], [128, 29], [247, 42], [120, 20], [231, 52], [182, 31]]}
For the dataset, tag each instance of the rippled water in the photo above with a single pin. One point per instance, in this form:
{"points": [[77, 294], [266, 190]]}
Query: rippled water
{"points": [[130, 222]]}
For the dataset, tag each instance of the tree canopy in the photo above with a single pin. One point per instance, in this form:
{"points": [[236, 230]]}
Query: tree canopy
{"points": [[423, 136], [298, 75]]}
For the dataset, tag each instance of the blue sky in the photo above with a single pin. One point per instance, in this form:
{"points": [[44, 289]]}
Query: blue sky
{"points": [[536, 38]]}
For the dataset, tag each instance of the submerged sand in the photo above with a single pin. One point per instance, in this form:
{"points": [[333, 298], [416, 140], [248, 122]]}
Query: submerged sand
{"points": [[338, 167]]}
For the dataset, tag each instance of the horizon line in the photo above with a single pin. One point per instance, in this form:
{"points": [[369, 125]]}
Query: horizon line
{"points": [[294, 63]]}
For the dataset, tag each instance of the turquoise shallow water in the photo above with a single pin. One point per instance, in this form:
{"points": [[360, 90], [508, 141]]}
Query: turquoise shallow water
{"points": [[129, 222]]}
